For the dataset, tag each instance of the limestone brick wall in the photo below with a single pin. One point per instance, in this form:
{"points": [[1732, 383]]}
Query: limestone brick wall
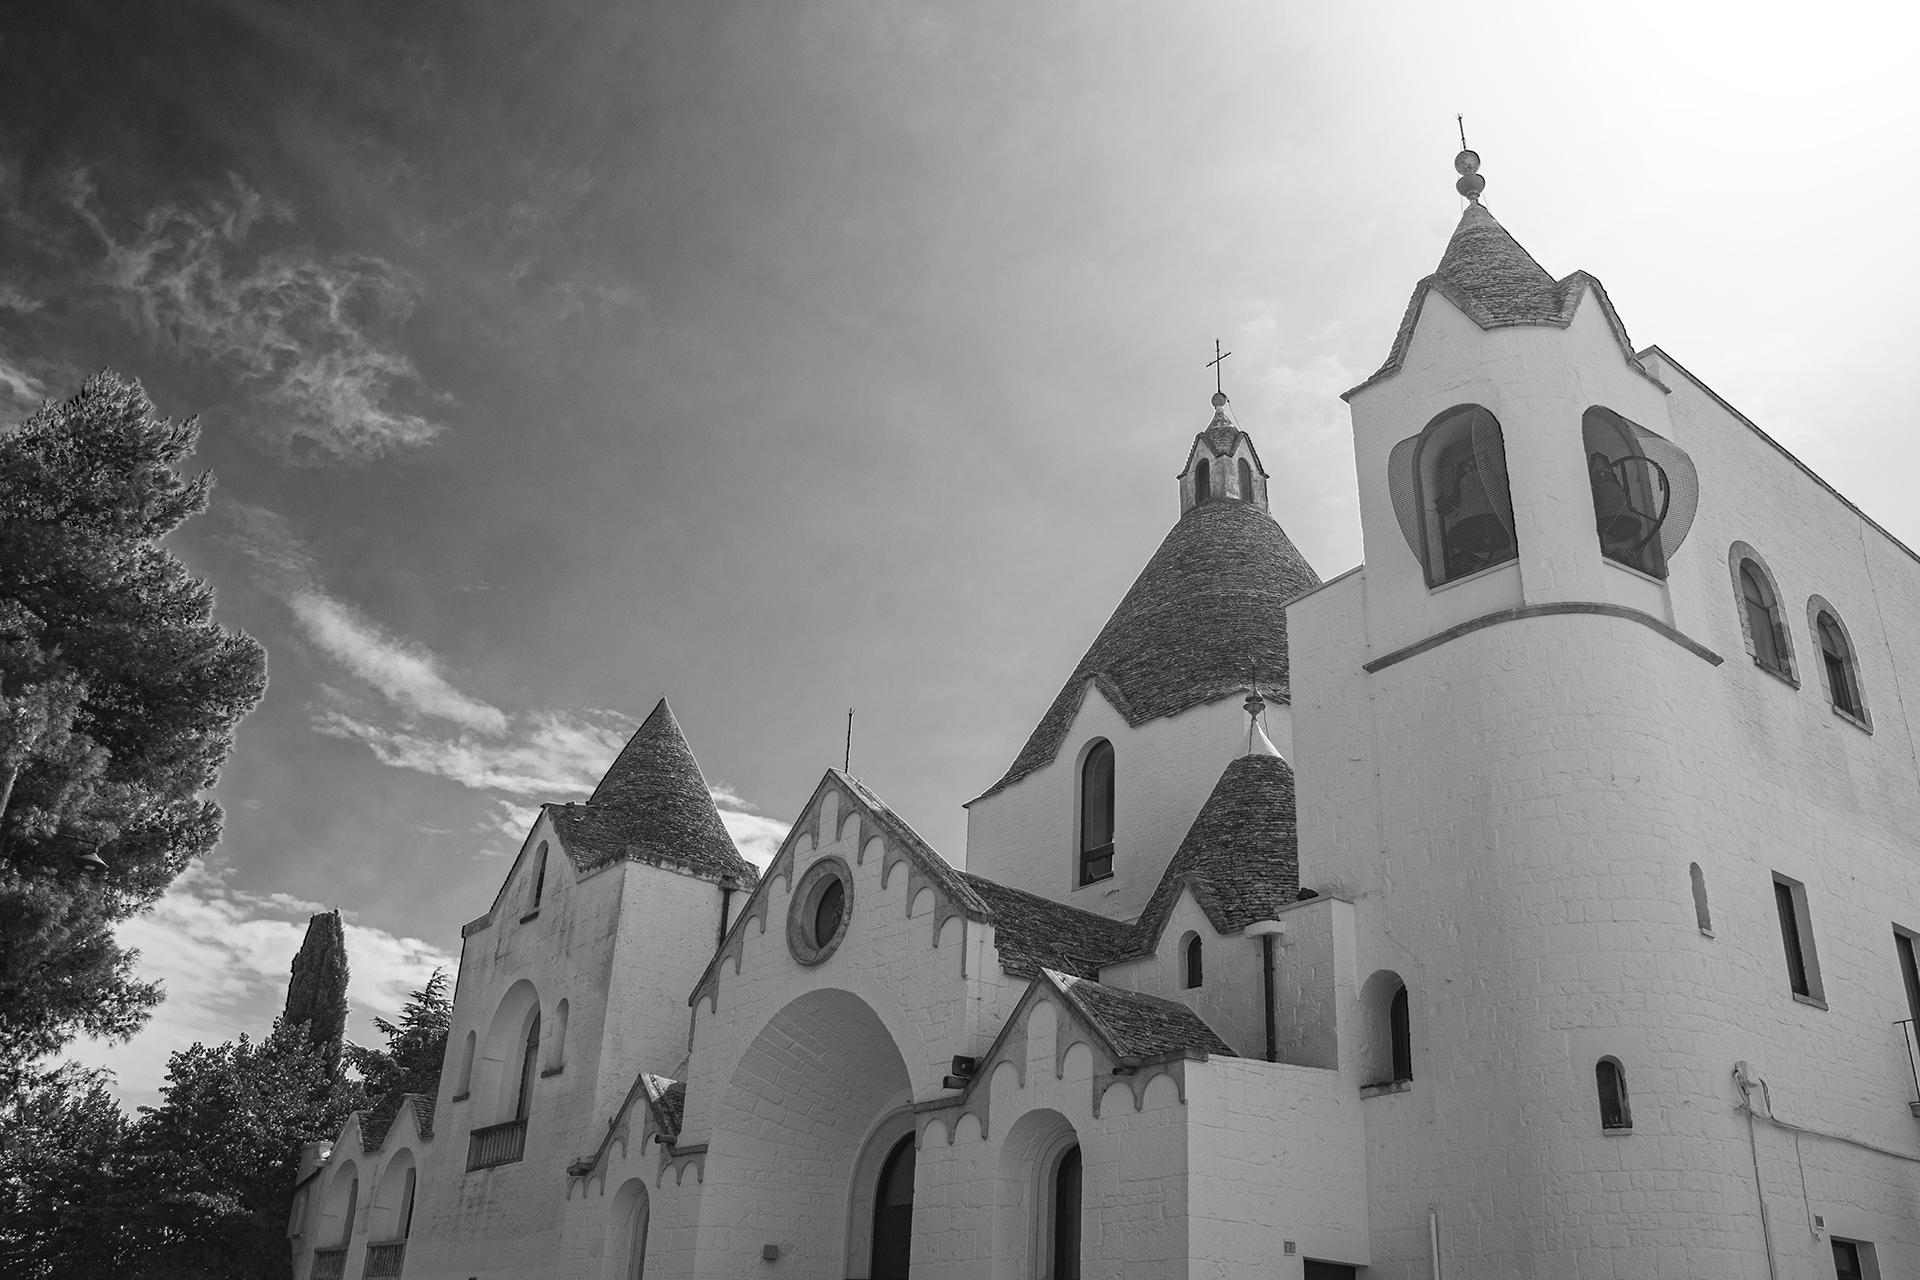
{"points": [[1163, 772], [1514, 813], [1230, 995]]}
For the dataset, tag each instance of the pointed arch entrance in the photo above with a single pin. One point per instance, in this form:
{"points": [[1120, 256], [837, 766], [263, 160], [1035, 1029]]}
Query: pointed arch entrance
{"points": [[804, 1149]]}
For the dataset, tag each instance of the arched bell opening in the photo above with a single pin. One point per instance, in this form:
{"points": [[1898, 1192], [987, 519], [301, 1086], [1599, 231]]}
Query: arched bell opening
{"points": [[800, 1138]]}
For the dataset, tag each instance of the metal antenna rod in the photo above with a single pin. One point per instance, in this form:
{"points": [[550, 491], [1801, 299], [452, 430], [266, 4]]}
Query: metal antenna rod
{"points": [[846, 762], [1461, 120]]}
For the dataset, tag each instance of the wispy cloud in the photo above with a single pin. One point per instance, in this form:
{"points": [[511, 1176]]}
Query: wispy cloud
{"points": [[422, 722], [224, 956], [20, 392], [315, 337]]}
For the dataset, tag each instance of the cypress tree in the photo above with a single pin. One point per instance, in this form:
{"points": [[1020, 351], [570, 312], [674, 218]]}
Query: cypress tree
{"points": [[317, 991]]}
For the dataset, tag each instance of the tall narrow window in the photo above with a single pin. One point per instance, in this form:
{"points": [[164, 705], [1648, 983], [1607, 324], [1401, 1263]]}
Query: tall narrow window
{"points": [[1701, 916], [1611, 1080], [1194, 975], [1202, 480], [1763, 620], [406, 1205], [353, 1208], [529, 1068], [539, 876], [1246, 481], [557, 1042], [637, 1221], [1096, 814], [465, 1077], [1065, 1226], [1796, 935], [1909, 971], [1843, 684], [1400, 1035]]}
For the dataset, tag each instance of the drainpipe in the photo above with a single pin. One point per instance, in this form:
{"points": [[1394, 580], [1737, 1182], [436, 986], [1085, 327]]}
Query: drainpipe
{"points": [[1744, 1078], [1433, 1238], [1269, 932]]}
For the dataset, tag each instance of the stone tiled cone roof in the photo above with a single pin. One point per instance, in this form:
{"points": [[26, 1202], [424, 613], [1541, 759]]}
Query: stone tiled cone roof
{"points": [[1241, 856], [652, 806], [1138, 1026], [1034, 933], [668, 1098], [1497, 284], [1210, 604]]}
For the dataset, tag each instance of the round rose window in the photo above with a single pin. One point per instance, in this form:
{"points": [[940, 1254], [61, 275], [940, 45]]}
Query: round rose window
{"points": [[817, 917]]}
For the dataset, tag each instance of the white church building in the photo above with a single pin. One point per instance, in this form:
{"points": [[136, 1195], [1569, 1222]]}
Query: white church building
{"points": [[1546, 907]]}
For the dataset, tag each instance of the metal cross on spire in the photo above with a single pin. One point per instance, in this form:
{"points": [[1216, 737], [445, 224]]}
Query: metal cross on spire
{"points": [[1214, 364]]}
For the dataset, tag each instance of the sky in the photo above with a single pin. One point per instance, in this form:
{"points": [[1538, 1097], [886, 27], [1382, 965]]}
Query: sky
{"points": [[791, 357]]}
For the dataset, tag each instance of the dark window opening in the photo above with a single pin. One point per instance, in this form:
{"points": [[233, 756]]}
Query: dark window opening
{"points": [[1611, 1080], [893, 1214], [1846, 1261], [1701, 916], [1466, 504], [1784, 901], [406, 1205], [1194, 977], [1202, 481], [827, 910], [1066, 1217], [1909, 971], [1842, 686], [1763, 620], [539, 876], [1246, 481], [529, 1068], [1631, 494], [1096, 814], [1400, 1035]]}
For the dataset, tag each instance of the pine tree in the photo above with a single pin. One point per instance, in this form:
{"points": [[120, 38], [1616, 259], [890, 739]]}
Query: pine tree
{"points": [[317, 991], [118, 700], [415, 1047]]}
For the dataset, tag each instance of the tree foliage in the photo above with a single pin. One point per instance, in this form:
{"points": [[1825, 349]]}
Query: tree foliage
{"points": [[61, 1135], [416, 1046], [317, 989], [118, 700]]}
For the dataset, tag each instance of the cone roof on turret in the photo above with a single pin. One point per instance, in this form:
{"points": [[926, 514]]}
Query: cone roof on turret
{"points": [[1210, 604], [1497, 284], [653, 805]]}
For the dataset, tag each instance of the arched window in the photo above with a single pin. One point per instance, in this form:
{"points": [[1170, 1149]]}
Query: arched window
{"points": [[1611, 1080], [1194, 976], [406, 1203], [1063, 1227], [1632, 493], [1700, 914], [1202, 480], [1400, 1035], [539, 876], [529, 1068], [1246, 481], [352, 1209], [637, 1222], [893, 1214], [1450, 493], [1836, 657], [1096, 813], [1765, 631]]}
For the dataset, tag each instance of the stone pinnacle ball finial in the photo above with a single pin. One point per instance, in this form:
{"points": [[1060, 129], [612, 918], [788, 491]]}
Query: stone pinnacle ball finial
{"points": [[1219, 399], [1471, 184]]}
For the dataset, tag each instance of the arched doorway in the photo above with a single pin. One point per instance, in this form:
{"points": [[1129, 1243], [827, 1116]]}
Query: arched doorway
{"points": [[1065, 1225], [818, 1102], [893, 1214]]}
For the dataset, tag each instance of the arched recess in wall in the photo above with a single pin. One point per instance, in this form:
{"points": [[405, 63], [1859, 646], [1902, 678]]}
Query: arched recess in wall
{"points": [[539, 882], [1202, 481], [1701, 915], [335, 1228], [1388, 1048], [557, 1039], [391, 1217], [463, 1083], [1757, 601], [1192, 972], [501, 1072], [624, 1248], [1246, 481], [1094, 820], [1037, 1222], [1451, 496]]}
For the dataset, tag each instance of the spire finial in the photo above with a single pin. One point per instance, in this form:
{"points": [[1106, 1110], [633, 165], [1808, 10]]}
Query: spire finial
{"points": [[1467, 165], [1258, 744], [1219, 396]]}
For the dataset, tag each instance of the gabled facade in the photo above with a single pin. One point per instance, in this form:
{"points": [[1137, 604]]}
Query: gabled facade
{"points": [[1534, 899]]}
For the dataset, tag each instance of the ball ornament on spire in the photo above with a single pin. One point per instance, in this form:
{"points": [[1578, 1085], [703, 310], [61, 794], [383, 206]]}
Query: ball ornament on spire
{"points": [[1471, 184]]}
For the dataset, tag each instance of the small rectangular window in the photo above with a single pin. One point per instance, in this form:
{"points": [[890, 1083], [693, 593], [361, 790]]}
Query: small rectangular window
{"points": [[1854, 1260], [1796, 934]]}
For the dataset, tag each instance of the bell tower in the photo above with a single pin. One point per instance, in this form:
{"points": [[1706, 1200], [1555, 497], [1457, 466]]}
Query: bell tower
{"points": [[1222, 465]]}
